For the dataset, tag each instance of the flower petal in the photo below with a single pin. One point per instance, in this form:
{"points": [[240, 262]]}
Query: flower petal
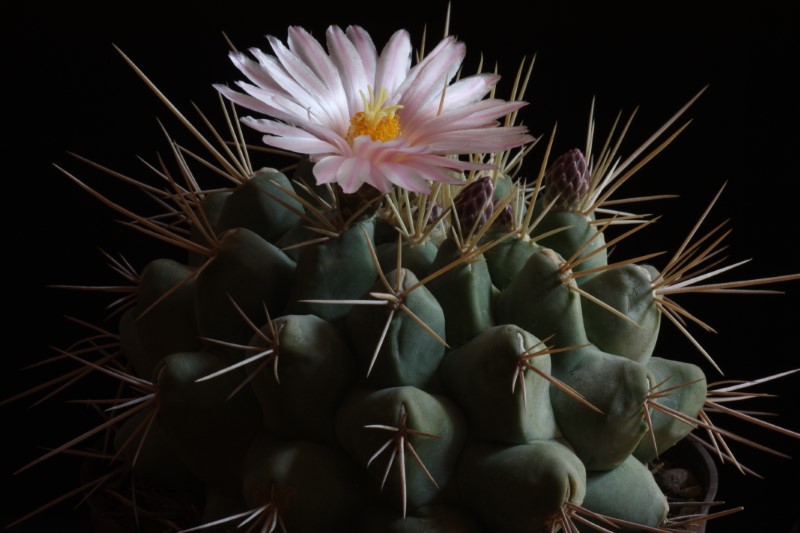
{"points": [[351, 68], [393, 64], [310, 96], [363, 44], [326, 169], [311, 51], [311, 87], [425, 82], [290, 138]]}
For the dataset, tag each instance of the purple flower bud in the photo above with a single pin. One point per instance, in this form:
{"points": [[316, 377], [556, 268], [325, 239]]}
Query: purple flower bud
{"points": [[474, 202], [568, 178]]}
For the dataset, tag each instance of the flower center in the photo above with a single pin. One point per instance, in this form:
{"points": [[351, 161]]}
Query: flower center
{"points": [[378, 121]]}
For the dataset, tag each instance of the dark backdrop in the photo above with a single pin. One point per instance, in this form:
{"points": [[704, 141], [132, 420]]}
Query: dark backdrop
{"points": [[69, 90]]}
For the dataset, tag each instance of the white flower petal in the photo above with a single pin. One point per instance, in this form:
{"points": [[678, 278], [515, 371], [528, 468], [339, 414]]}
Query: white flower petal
{"points": [[471, 141], [404, 176], [427, 80], [483, 114], [290, 138], [309, 97], [311, 51], [273, 104], [351, 68], [468, 90], [255, 72], [393, 64], [363, 44], [326, 169], [295, 90], [311, 86], [352, 173]]}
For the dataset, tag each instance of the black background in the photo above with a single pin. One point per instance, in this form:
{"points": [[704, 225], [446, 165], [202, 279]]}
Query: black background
{"points": [[69, 90]]}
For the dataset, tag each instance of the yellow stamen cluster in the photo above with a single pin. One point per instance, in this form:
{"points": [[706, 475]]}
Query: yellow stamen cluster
{"points": [[379, 122]]}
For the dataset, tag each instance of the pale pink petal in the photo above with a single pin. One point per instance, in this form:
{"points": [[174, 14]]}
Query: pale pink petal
{"points": [[310, 96], [404, 176], [480, 115], [363, 44], [290, 138], [468, 90], [311, 87], [311, 51], [393, 64], [255, 72], [352, 173], [271, 103], [281, 108], [351, 69], [293, 89], [245, 100], [326, 169], [457, 97], [441, 161], [474, 142], [429, 77]]}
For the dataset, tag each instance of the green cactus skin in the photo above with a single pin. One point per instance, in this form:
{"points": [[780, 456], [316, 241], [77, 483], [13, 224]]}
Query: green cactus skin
{"points": [[307, 429], [567, 243], [207, 215], [315, 488], [616, 386], [539, 301], [351, 394], [417, 257], [169, 326], [520, 489], [479, 376], [688, 395], [426, 413], [628, 290], [503, 187], [246, 270], [315, 368], [325, 441], [408, 355], [464, 292], [627, 492], [438, 518], [207, 430], [155, 462], [262, 205], [507, 258], [140, 359], [339, 269]]}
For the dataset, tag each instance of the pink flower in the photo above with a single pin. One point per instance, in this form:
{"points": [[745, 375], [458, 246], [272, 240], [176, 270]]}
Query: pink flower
{"points": [[364, 117]]}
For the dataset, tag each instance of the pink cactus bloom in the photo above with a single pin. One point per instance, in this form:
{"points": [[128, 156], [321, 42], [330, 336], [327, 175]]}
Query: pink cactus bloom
{"points": [[364, 117]]}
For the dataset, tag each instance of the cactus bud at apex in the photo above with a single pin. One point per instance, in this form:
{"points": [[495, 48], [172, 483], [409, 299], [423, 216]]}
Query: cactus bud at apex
{"points": [[567, 177], [474, 202]]}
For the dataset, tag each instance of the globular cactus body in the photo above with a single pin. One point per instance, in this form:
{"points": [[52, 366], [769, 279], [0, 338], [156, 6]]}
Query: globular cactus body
{"points": [[439, 402], [426, 353], [425, 401]]}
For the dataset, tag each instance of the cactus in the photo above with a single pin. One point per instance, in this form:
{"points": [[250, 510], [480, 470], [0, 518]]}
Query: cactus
{"points": [[440, 354]]}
